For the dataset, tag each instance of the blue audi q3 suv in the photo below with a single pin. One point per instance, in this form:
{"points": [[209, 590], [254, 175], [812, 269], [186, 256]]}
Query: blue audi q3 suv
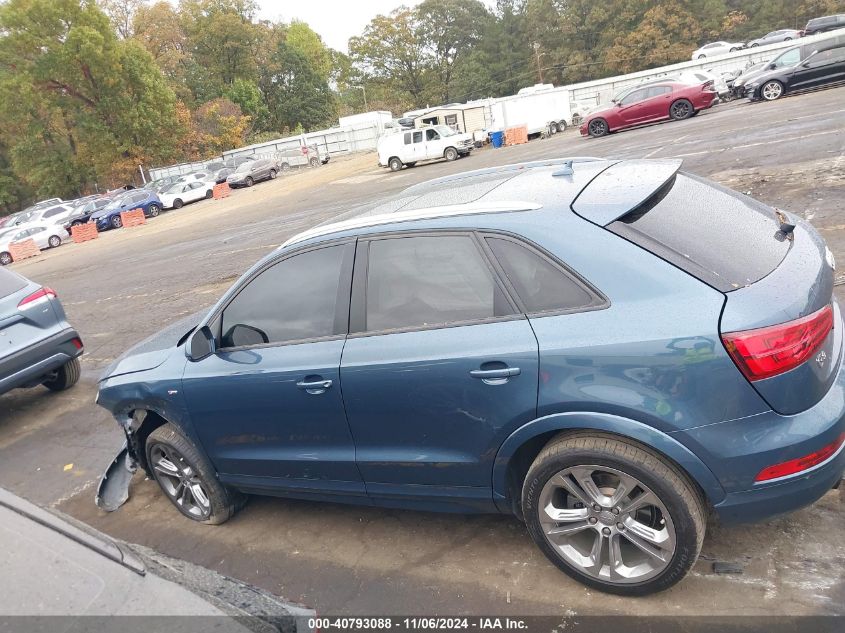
{"points": [[610, 350]]}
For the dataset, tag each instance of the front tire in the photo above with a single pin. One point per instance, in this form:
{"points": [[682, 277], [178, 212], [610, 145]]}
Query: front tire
{"points": [[681, 109], [249, 181], [5, 258], [178, 204], [116, 222], [209, 194], [612, 514], [188, 479], [598, 128], [771, 90], [66, 376], [272, 174], [314, 162], [450, 154], [54, 241], [154, 210]]}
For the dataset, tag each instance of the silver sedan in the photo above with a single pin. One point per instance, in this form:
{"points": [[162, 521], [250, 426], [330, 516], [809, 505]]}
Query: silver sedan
{"points": [[783, 35]]}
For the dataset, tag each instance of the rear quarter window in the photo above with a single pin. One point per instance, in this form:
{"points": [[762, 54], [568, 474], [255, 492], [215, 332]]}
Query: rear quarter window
{"points": [[723, 238], [10, 283]]}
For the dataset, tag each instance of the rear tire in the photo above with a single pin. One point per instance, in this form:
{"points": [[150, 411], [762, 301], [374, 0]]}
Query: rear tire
{"points": [[154, 210], [191, 468], [116, 222], [54, 241], [249, 181], [178, 204], [314, 162], [66, 376], [285, 167], [681, 109], [5, 258], [395, 164], [272, 174], [552, 128], [209, 194], [671, 526]]}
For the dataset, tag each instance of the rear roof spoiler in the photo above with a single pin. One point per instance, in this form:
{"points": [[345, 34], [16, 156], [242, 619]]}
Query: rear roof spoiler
{"points": [[623, 187]]}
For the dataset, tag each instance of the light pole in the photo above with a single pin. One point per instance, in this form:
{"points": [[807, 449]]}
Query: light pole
{"points": [[539, 55], [364, 90]]}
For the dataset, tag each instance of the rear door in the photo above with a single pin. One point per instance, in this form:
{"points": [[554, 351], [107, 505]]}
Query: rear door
{"points": [[439, 368], [822, 68]]}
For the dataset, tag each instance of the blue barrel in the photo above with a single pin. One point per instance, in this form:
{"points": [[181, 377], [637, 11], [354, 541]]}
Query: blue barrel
{"points": [[497, 138]]}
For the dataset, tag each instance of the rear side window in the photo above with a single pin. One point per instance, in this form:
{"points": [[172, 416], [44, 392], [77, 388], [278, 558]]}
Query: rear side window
{"points": [[725, 239], [10, 283], [541, 285], [292, 300], [429, 281]]}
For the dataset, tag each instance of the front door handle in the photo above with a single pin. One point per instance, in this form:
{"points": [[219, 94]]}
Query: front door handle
{"points": [[495, 376], [314, 387]]}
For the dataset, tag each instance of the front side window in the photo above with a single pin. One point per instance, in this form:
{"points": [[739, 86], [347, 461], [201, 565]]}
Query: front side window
{"points": [[292, 300], [789, 58], [635, 96], [428, 281], [541, 285], [431, 135]]}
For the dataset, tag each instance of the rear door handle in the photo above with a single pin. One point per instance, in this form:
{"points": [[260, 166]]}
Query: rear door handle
{"points": [[495, 376], [314, 387]]}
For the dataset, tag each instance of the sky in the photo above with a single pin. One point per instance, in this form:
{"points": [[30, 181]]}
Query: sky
{"points": [[335, 20]]}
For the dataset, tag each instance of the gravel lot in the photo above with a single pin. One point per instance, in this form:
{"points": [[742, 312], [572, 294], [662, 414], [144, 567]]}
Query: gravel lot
{"points": [[338, 559]]}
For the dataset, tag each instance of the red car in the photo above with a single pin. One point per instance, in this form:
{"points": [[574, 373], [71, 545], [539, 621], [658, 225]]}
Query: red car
{"points": [[647, 104]]}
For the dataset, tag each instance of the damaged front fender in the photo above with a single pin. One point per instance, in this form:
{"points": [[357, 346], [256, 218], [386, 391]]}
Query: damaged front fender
{"points": [[113, 490]]}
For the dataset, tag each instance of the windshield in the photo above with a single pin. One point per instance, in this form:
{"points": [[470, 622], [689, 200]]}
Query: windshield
{"points": [[445, 130], [114, 204], [789, 58]]}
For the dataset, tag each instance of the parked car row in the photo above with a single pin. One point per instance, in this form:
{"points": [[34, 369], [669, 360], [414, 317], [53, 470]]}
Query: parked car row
{"points": [[813, 27], [49, 222]]}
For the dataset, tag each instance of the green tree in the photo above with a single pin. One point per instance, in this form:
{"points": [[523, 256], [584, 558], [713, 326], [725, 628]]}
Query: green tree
{"points": [[247, 96], [307, 43]]}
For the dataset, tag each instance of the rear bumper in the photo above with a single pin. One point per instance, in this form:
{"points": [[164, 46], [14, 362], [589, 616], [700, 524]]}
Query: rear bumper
{"points": [[28, 367], [737, 450]]}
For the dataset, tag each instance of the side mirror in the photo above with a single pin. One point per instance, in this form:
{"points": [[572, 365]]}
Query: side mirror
{"points": [[201, 344], [241, 335]]}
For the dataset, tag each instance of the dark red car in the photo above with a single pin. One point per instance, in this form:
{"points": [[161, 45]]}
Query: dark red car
{"points": [[647, 104]]}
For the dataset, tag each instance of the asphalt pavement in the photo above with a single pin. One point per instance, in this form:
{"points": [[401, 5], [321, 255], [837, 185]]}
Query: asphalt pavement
{"points": [[341, 559]]}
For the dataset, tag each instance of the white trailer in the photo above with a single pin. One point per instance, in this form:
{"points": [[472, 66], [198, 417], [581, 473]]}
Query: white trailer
{"points": [[541, 109]]}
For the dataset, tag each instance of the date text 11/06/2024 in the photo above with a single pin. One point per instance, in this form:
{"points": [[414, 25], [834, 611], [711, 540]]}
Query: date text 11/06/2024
{"points": [[418, 623]]}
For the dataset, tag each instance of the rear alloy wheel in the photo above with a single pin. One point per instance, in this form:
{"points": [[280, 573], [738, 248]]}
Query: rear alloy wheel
{"points": [[116, 222], [597, 128], [5, 258], [681, 109], [54, 241], [154, 210], [771, 90], [734, 49], [395, 164], [178, 204], [450, 154], [65, 376], [561, 126], [188, 478], [249, 181], [272, 174], [613, 515], [209, 194], [314, 162]]}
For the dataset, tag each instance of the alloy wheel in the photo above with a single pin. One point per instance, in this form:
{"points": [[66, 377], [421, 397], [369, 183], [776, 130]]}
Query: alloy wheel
{"points": [[606, 524], [772, 91], [179, 481], [681, 110], [598, 127], [5, 259], [54, 241]]}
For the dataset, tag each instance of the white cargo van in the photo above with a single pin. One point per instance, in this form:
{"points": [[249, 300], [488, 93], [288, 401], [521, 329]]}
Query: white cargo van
{"points": [[406, 148]]}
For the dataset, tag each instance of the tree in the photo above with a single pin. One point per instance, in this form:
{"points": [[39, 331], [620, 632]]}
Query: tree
{"points": [[122, 14], [392, 51], [295, 94], [307, 43], [219, 125], [450, 28], [160, 30], [246, 95], [78, 105]]}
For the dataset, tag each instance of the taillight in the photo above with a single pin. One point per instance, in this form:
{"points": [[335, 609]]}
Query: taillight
{"points": [[37, 298], [773, 350], [707, 85], [794, 466]]}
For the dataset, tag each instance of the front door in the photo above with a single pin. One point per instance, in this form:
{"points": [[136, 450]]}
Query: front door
{"points": [[819, 69], [631, 108], [433, 144], [439, 369], [267, 405]]}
